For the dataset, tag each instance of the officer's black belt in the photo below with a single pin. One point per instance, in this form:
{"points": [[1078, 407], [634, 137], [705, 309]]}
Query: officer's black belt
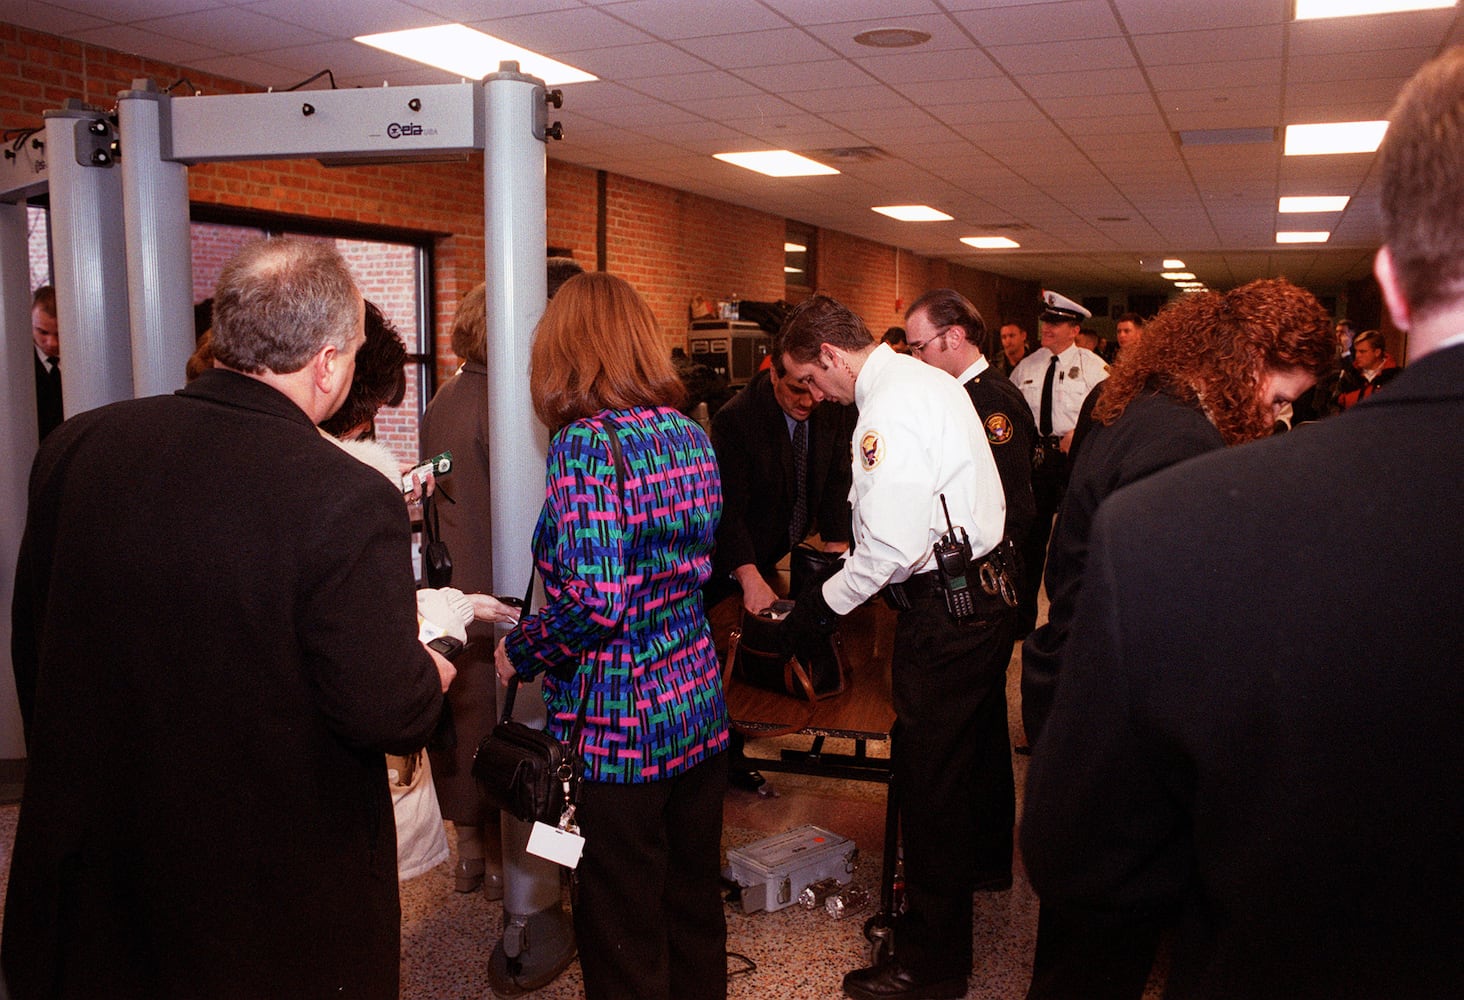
{"points": [[901, 596], [1051, 441]]}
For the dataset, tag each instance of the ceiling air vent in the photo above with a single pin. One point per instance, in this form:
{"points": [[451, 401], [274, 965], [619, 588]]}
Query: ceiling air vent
{"points": [[848, 155], [1226, 136]]}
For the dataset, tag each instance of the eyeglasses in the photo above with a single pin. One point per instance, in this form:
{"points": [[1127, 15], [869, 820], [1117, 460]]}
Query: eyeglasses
{"points": [[917, 346]]}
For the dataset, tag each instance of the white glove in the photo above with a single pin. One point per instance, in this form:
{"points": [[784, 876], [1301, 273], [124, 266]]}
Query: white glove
{"points": [[448, 609]]}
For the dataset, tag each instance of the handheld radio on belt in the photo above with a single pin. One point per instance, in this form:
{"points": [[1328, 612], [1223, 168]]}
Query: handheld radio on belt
{"points": [[952, 562]]}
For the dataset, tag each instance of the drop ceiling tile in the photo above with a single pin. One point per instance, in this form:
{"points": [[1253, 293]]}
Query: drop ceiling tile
{"points": [[971, 113], [1087, 53], [357, 17], [241, 33], [695, 18], [561, 31], [1116, 125], [872, 98], [344, 57], [1380, 93], [1098, 106], [639, 116], [248, 69], [1260, 105], [732, 109], [1401, 63], [1192, 48], [1218, 76], [896, 121], [1145, 16], [757, 48], [1090, 83], [710, 83], [977, 90], [822, 11], [632, 62], [917, 66], [592, 94], [827, 74], [125, 38], [466, 11], [1050, 23]]}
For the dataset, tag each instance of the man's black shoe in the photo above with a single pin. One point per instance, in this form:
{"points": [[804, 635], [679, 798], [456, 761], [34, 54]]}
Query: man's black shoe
{"points": [[746, 779], [892, 981]]}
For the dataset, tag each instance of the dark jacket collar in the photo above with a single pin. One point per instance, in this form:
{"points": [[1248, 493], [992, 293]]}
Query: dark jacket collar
{"points": [[229, 388]]}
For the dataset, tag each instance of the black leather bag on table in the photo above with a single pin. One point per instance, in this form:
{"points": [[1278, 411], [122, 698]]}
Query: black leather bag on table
{"points": [[755, 658]]}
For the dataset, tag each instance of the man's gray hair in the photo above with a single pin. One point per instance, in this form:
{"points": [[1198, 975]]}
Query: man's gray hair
{"points": [[279, 301]]}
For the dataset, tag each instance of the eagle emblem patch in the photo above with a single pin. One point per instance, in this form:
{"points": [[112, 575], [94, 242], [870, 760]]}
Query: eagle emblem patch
{"points": [[998, 428], [871, 450]]}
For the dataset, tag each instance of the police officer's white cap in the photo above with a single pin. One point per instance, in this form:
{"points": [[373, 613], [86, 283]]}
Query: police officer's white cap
{"points": [[1061, 309]]}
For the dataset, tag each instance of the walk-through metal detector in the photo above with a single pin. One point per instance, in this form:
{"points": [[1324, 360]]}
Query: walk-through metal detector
{"points": [[124, 295]]}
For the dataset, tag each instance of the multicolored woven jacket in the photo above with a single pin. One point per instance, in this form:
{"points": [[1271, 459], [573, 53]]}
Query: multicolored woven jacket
{"points": [[623, 591]]}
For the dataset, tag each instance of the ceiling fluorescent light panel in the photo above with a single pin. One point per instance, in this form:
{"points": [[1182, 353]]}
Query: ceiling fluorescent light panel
{"points": [[1334, 137], [913, 213], [776, 163], [471, 54], [1309, 10], [1292, 204]]}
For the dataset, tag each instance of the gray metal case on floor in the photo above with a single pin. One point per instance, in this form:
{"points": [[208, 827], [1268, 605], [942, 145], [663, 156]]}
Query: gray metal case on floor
{"points": [[774, 870]]}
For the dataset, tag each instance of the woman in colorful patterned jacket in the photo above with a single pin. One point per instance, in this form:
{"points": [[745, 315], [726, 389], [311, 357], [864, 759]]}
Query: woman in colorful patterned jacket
{"points": [[623, 555]]}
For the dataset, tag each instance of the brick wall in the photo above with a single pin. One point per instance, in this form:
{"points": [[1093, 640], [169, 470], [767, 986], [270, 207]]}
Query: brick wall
{"points": [[670, 244]]}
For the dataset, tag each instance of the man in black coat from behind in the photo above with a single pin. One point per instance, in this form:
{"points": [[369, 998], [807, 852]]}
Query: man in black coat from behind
{"points": [[1225, 740], [214, 638]]}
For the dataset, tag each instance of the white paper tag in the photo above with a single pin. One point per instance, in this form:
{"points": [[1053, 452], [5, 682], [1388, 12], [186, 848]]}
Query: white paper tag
{"points": [[553, 844]]}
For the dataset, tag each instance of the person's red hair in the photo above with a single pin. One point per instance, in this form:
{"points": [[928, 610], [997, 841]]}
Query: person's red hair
{"points": [[1212, 350], [598, 347]]}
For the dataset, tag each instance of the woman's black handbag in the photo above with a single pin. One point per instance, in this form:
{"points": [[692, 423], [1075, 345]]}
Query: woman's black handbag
{"points": [[526, 772]]}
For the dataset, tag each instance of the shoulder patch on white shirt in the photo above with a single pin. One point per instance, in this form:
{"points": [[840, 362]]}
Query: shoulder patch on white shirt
{"points": [[871, 450]]}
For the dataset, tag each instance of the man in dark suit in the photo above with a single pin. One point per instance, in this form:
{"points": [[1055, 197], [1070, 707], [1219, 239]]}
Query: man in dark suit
{"points": [[765, 513], [48, 359], [214, 639], [1226, 742]]}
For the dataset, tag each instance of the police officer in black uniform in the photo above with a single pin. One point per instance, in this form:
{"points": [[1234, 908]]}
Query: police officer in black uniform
{"points": [[946, 332], [1054, 380]]}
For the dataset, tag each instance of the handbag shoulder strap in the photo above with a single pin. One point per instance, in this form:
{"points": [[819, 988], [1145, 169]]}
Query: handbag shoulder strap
{"points": [[618, 458]]}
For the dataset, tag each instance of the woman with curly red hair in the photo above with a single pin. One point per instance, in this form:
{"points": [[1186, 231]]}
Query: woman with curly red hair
{"points": [[1211, 371]]}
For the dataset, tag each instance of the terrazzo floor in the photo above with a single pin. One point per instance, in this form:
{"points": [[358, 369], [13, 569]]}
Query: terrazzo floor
{"points": [[793, 953]]}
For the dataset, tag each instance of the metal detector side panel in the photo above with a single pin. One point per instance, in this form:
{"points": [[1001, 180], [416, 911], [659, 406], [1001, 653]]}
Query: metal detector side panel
{"points": [[380, 122]]}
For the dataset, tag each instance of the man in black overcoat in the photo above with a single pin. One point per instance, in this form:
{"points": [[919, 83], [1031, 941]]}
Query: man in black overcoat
{"points": [[214, 642], [1226, 741]]}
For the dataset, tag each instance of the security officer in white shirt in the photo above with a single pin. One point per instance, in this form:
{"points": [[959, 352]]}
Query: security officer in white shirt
{"points": [[917, 439], [1054, 379]]}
